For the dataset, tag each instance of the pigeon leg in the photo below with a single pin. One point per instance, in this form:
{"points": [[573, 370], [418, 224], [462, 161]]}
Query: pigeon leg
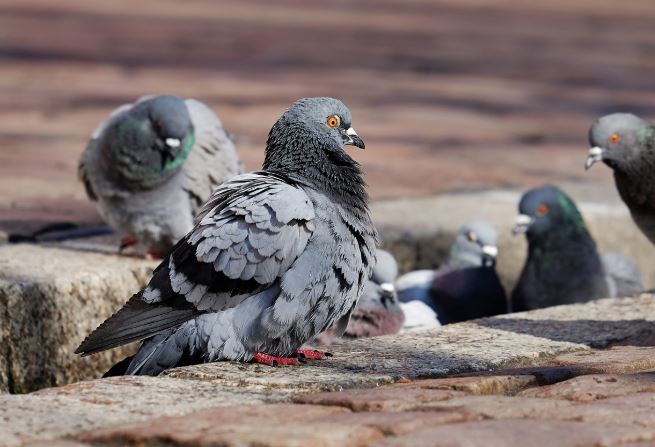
{"points": [[127, 241], [154, 256], [312, 354], [267, 359]]}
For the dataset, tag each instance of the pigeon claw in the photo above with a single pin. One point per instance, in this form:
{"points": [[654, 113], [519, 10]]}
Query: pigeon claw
{"points": [[127, 241], [270, 360], [312, 354]]}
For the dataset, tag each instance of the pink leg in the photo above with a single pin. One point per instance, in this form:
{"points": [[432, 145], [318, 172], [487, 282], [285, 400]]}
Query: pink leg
{"points": [[266, 359], [312, 354], [127, 241]]}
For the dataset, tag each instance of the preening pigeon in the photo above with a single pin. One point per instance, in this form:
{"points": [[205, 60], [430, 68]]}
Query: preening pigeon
{"points": [[378, 311], [467, 285], [563, 264], [152, 164], [275, 258], [626, 144]]}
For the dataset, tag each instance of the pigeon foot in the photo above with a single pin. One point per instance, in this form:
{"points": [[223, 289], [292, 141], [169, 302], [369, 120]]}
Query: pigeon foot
{"points": [[127, 241], [312, 354], [270, 360]]}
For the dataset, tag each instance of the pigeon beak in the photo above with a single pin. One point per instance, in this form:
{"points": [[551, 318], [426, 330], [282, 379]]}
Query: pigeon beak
{"points": [[352, 139], [172, 142], [388, 295], [387, 287], [489, 254], [595, 155], [521, 224]]}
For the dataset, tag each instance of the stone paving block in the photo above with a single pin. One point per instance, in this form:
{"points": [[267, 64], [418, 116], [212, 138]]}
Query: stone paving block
{"points": [[265, 425], [596, 386], [522, 432], [387, 398], [478, 385], [635, 409], [49, 309], [616, 360], [503, 407], [398, 423], [56, 412]]}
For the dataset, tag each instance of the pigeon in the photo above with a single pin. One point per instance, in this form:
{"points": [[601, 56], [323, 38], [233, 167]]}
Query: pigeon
{"points": [[467, 285], [276, 257], [378, 311], [626, 144], [152, 165], [563, 264]]}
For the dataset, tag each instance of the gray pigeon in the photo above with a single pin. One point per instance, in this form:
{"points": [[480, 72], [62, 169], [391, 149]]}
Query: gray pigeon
{"points": [[626, 144], [378, 311], [467, 285], [276, 257], [563, 264], [151, 166]]}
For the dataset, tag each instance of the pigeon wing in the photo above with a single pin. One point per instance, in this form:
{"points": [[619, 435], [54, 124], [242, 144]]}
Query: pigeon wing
{"points": [[246, 237], [623, 277], [213, 159]]}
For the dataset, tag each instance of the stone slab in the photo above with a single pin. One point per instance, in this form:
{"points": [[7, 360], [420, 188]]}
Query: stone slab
{"points": [[508, 341], [518, 432], [269, 425], [68, 410], [50, 298], [596, 386]]}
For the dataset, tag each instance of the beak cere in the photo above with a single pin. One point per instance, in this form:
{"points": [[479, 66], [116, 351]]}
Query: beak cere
{"points": [[172, 142], [353, 139], [595, 155], [522, 224], [387, 287]]}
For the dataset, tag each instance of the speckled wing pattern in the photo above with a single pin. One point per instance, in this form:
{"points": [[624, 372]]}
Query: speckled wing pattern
{"points": [[213, 158], [246, 237]]}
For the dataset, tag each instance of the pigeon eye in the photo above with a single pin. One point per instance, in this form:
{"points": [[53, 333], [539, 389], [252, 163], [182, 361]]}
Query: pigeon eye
{"points": [[334, 121], [542, 210], [158, 124], [615, 138], [471, 236]]}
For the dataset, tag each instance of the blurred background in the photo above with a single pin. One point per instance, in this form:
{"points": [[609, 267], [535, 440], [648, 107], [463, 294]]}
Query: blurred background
{"points": [[448, 95]]}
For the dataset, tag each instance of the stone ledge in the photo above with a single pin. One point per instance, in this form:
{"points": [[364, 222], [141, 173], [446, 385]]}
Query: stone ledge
{"points": [[50, 298], [362, 372]]}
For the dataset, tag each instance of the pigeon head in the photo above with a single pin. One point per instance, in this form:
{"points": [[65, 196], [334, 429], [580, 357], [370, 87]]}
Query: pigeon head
{"points": [[386, 268], [383, 277], [474, 246], [307, 143], [151, 141], [618, 139], [312, 129], [547, 211]]}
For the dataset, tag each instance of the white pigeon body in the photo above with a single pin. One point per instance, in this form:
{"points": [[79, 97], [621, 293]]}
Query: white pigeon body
{"points": [[158, 216]]}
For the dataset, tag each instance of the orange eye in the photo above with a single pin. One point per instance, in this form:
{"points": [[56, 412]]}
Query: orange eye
{"points": [[334, 121], [542, 210], [614, 138], [471, 236]]}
